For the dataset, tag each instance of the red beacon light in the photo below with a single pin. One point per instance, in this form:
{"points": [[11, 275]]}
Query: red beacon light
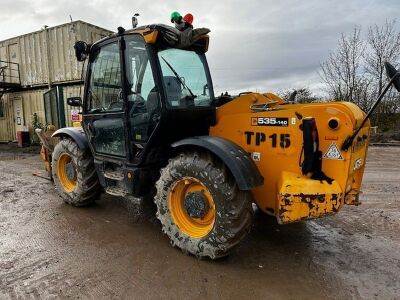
{"points": [[188, 18]]}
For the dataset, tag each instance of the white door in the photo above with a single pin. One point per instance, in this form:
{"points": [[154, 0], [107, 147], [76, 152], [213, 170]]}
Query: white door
{"points": [[18, 114]]}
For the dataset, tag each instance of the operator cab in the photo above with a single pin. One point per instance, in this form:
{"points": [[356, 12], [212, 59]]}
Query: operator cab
{"points": [[145, 89]]}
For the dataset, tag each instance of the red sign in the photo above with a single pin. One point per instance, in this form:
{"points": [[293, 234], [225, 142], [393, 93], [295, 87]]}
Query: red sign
{"points": [[75, 116]]}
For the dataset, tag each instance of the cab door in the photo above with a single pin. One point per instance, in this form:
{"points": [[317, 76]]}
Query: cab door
{"points": [[104, 118]]}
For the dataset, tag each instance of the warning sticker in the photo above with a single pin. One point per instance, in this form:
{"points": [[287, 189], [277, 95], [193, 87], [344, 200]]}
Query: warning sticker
{"points": [[256, 156], [75, 116], [333, 152], [358, 164]]}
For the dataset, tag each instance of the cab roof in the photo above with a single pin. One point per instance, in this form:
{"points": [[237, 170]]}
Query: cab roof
{"points": [[168, 36]]}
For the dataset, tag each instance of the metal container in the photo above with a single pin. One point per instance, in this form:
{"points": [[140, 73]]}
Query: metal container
{"points": [[47, 56], [18, 110]]}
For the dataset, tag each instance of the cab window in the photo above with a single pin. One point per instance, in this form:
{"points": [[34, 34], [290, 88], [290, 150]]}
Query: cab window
{"points": [[105, 90], [185, 79]]}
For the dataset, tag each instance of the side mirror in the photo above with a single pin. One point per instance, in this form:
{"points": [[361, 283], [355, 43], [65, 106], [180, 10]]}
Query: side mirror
{"points": [[74, 101], [391, 72], [81, 50]]}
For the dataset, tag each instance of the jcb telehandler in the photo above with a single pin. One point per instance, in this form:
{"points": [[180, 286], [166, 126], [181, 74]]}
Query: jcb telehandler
{"points": [[150, 119]]}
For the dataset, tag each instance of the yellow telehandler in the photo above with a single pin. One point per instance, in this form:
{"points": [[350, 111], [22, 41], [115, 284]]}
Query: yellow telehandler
{"points": [[150, 119]]}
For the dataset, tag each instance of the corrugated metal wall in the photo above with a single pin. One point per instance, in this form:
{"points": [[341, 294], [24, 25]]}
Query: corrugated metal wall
{"points": [[32, 102], [50, 52], [38, 53]]}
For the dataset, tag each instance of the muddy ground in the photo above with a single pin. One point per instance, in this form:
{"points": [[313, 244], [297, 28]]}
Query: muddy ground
{"points": [[51, 250]]}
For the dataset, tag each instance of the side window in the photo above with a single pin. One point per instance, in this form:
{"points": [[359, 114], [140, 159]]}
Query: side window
{"points": [[105, 90]]}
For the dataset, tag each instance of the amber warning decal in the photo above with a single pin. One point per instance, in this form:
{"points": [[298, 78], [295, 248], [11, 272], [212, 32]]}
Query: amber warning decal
{"points": [[283, 122], [333, 152]]}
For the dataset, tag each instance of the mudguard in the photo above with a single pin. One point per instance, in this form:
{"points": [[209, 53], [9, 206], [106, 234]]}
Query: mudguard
{"points": [[75, 133], [242, 167]]}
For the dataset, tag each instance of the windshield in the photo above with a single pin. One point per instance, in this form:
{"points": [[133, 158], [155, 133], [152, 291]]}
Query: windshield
{"points": [[185, 79]]}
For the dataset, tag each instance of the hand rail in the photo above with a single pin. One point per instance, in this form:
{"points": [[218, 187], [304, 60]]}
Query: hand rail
{"points": [[9, 73]]}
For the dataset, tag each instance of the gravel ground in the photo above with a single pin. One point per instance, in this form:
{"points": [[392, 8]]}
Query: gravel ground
{"points": [[115, 250]]}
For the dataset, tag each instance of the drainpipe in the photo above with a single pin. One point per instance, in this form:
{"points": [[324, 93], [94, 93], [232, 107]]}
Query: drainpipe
{"points": [[46, 32]]}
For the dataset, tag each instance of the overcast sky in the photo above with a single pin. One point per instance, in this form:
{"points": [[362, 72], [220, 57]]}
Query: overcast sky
{"points": [[264, 45]]}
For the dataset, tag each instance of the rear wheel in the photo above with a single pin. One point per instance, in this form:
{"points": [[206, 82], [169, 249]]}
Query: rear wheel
{"points": [[74, 174], [200, 206]]}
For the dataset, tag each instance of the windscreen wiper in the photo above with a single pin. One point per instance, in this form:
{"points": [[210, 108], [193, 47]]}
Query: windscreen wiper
{"points": [[179, 78]]}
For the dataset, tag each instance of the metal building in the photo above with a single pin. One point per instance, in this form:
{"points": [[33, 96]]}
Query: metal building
{"points": [[38, 72]]}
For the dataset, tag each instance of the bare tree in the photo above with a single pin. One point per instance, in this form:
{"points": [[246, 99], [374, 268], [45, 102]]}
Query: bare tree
{"points": [[363, 92], [355, 71], [384, 45], [303, 95], [342, 71]]}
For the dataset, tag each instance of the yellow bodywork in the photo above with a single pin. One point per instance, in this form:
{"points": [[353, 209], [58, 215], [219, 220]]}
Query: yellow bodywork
{"points": [[277, 152]]}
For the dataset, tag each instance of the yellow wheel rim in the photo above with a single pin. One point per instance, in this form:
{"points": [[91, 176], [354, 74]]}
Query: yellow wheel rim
{"points": [[188, 191], [66, 172]]}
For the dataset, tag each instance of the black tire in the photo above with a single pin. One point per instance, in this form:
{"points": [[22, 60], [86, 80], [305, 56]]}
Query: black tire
{"points": [[87, 187], [233, 207]]}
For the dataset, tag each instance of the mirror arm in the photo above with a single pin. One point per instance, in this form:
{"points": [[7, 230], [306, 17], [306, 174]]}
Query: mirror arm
{"points": [[349, 140]]}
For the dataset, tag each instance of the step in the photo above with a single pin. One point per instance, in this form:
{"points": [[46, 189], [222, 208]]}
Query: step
{"points": [[115, 191], [114, 175]]}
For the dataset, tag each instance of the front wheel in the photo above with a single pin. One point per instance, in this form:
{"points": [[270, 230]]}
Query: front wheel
{"points": [[74, 174], [200, 206]]}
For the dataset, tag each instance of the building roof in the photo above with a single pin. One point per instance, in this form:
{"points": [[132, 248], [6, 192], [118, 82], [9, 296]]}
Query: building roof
{"points": [[57, 26]]}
